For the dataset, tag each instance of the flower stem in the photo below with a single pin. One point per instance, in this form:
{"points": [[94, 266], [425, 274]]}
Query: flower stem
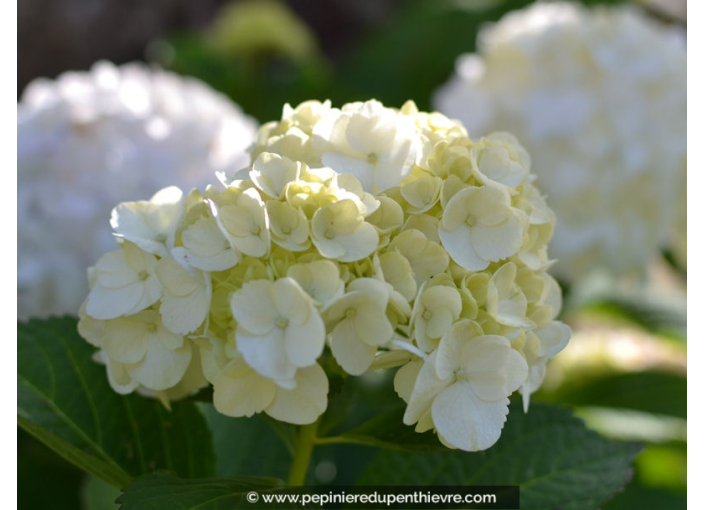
{"points": [[302, 452]]}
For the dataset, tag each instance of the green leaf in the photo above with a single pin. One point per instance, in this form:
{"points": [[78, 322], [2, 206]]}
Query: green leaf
{"points": [[164, 491], [65, 401], [98, 495], [102, 467], [38, 466], [645, 498], [652, 392], [240, 440], [550, 454], [388, 431]]}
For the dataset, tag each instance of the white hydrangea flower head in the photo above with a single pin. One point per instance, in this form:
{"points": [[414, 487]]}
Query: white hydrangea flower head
{"points": [[598, 96], [89, 140], [314, 258]]}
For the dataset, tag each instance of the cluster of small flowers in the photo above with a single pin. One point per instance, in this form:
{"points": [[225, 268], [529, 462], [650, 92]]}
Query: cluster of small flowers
{"points": [[598, 96], [89, 140], [387, 235]]}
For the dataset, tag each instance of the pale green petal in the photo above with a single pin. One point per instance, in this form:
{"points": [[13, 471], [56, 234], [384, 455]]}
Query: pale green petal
{"points": [[405, 379], [500, 242], [242, 392], [372, 326], [92, 330], [458, 244], [271, 172], [492, 367], [388, 217], [304, 343], [151, 225], [306, 402], [112, 270], [119, 379], [360, 244], [353, 355], [397, 272], [290, 301], [185, 314], [390, 359], [125, 340], [440, 322], [253, 308], [175, 279], [320, 279], [167, 338]]}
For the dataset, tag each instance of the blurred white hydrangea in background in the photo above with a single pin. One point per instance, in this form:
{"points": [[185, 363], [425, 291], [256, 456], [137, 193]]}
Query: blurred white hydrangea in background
{"points": [[89, 140], [598, 97]]}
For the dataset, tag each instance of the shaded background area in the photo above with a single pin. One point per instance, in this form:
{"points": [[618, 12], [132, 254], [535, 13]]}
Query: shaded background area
{"points": [[54, 36], [59, 35], [392, 50]]}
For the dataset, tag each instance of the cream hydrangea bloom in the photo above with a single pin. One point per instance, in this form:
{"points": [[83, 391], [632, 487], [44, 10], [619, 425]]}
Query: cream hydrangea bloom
{"points": [[139, 350], [371, 142], [303, 265], [358, 324], [151, 225], [89, 140], [480, 226], [185, 299], [123, 282], [278, 328], [462, 388], [241, 391], [598, 96]]}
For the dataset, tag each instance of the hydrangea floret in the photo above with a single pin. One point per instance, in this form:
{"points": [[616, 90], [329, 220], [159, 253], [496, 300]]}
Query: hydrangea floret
{"points": [[598, 95], [359, 238]]}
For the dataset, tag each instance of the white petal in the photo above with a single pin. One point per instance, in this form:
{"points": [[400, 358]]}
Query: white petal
{"points": [[265, 353], [185, 314], [426, 388], [104, 303], [161, 368], [362, 170], [458, 244], [465, 421], [360, 244], [305, 343]]}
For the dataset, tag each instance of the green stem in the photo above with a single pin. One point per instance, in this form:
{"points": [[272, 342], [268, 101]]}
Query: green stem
{"points": [[301, 456], [333, 440]]}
